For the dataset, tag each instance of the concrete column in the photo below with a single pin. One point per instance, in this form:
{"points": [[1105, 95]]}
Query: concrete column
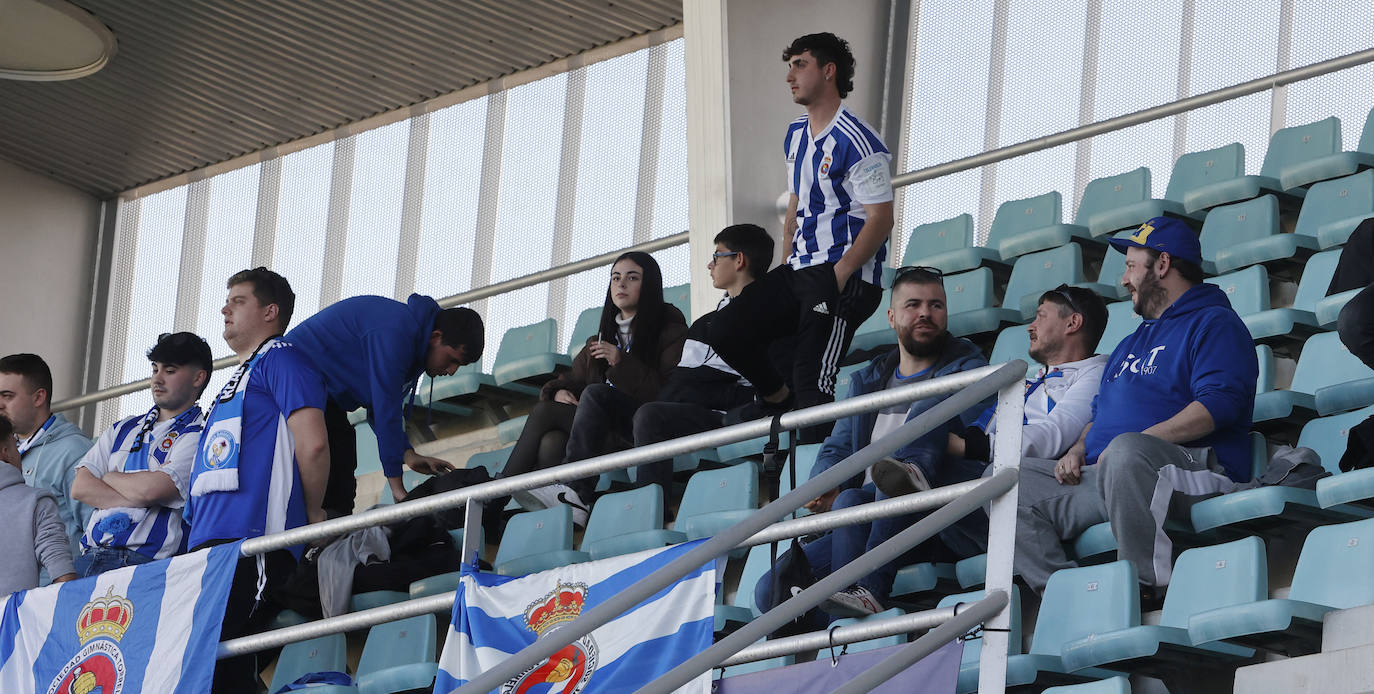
{"points": [[738, 105]]}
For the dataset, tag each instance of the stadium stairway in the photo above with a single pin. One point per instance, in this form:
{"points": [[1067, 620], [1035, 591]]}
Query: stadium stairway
{"points": [[1345, 663]]}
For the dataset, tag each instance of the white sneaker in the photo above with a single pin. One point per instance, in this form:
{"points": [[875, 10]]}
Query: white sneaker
{"points": [[549, 496], [852, 602], [896, 478]]}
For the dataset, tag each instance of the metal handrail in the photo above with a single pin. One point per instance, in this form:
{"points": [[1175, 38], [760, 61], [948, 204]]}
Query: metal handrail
{"points": [[471, 295], [838, 580], [947, 409], [620, 460], [839, 636], [807, 525], [1084, 132]]}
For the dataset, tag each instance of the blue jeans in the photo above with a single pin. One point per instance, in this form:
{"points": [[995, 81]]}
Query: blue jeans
{"points": [[842, 545], [101, 559]]}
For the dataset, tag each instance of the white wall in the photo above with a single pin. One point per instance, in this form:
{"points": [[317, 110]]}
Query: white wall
{"points": [[48, 235]]}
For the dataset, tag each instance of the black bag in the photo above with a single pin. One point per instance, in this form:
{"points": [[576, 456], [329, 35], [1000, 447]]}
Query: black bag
{"points": [[1359, 447], [791, 575]]}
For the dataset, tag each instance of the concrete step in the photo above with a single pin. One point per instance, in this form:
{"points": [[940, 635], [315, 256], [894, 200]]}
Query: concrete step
{"points": [[1346, 671], [1348, 629]]}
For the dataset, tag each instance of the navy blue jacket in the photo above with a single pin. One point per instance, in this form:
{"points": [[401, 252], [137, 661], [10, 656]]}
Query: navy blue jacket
{"points": [[371, 351], [853, 433]]}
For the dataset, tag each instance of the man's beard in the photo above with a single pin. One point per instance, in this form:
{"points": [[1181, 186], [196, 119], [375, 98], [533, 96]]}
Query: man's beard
{"points": [[1042, 350], [1149, 297], [923, 348]]}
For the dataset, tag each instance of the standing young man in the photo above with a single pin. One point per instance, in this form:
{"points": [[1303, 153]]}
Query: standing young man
{"points": [[371, 351], [263, 460], [839, 218], [137, 475], [49, 446]]}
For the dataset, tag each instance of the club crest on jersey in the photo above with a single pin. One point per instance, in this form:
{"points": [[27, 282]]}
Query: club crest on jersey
{"points": [[99, 665], [220, 449], [167, 442], [825, 165], [568, 670]]}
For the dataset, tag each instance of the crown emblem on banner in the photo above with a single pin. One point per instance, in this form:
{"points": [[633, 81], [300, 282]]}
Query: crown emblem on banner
{"points": [[108, 616], [561, 606]]}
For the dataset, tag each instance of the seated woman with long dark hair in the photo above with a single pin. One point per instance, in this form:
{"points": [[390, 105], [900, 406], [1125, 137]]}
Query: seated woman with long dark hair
{"points": [[588, 411]]}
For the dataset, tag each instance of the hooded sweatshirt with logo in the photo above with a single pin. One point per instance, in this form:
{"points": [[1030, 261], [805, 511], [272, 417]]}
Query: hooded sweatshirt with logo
{"points": [[371, 351], [50, 463], [1197, 350]]}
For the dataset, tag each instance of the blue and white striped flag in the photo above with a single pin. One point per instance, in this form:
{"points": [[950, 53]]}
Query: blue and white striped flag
{"points": [[147, 628], [496, 616]]}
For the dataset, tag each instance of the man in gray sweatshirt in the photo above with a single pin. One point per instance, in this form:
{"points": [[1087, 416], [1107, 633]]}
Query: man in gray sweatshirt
{"points": [[35, 537]]}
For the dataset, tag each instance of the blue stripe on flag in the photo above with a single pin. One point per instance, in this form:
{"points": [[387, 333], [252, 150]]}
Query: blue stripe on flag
{"points": [[58, 647], [646, 661], [9, 626], [146, 589], [204, 642], [624, 578]]}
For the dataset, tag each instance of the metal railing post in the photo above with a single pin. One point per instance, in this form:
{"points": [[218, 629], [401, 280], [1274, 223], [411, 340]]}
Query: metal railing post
{"points": [[472, 518], [728, 538], [841, 578], [978, 612], [1006, 455]]}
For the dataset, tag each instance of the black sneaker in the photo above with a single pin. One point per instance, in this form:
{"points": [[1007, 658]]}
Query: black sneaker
{"points": [[759, 409]]}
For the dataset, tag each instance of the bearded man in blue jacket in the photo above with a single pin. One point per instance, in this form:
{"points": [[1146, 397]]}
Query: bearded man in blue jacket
{"points": [[1170, 421], [925, 350], [371, 351]]}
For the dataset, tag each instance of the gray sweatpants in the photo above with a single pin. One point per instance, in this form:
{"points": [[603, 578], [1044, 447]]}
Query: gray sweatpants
{"points": [[1135, 483]]}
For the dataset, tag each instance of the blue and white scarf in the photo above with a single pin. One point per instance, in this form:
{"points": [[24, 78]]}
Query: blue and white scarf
{"points": [[26, 444], [217, 462], [113, 527]]}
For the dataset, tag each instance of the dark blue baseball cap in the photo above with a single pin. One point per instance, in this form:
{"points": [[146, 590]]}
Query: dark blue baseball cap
{"points": [[1167, 235]]}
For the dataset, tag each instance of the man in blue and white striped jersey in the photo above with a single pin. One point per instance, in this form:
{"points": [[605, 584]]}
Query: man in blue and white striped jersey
{"points": [[839, 218], [137, 475]]}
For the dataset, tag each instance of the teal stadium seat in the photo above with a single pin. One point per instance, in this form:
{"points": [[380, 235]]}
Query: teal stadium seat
{"points": [[972, 572], [948, 245], [1301, 319], [509, 430], [1031, 224], [588, 324], [972, 306], [1248, 292], [742, 609], [493, 461], [973, 647], [455, 536], [1122, 320], [749, 448], [1112, 203], [537, 541], [369, 459], [872, 644], [324, 654], [398, 657], [1328, 436], [1014, 343], [1337, 164], [1326, 578], [916, 584], [435, 585], [874, 334], [1096, 545], [681, 297], [1108, 284], [1035, 273], [626, 522], [1336, 379], [1333, 209], [1205, 578], [1200, 170], [716, 499], [410, 479], [1288, 147], [1078, 603], [1247, 233], [376, 598], [529, 355], [472, 387], [1111, 685]]}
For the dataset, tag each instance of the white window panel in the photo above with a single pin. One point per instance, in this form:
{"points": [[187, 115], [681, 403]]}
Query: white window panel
{"points": [[448, 223], [374, 211], [298, 254]]}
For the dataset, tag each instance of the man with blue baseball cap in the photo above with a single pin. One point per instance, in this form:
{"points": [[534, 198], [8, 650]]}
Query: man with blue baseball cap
{"points": [[1172, 417]]}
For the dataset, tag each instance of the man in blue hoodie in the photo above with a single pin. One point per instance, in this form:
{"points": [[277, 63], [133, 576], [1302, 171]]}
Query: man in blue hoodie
{"points": [[50, 446], [925, 350], [1171, 419], [371, 351]]}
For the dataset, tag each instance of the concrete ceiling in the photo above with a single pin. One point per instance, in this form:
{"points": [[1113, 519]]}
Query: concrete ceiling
{"points": [[201, 82]]}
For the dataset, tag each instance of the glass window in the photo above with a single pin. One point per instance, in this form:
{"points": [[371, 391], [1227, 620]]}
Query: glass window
{"points": [[374, 210], [448, 222]]}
